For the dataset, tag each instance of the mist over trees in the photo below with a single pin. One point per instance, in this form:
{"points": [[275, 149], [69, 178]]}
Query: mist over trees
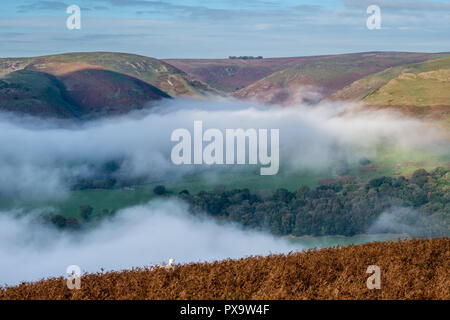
{"points": [[345, 207], [419, 206]]}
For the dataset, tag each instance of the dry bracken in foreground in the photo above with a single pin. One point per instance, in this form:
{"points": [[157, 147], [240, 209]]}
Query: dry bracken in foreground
{"points": [[411, 269]]}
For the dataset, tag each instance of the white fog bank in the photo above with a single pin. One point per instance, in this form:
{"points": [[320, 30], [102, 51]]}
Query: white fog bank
{"points": [[38, 157], [136, 237]]}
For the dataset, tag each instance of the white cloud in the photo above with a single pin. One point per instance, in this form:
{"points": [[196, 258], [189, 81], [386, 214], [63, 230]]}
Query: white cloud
{"points": [[138, 236], [39, 157]]}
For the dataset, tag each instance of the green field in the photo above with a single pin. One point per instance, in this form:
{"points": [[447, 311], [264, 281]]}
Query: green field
{"points": [[116, 199], [389, 160]]}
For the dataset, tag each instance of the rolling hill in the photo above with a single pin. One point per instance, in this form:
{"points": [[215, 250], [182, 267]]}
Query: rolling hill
{"points": [[419, 88], [231, 75], [316, 79], [90, 84], [97, 84], [411, 269]]}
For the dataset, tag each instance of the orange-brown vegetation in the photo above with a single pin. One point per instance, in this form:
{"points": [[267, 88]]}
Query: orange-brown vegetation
{"points": [[411, 269]]}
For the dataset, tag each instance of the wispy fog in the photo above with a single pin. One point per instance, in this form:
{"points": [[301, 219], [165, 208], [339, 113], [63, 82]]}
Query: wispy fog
{"points": [[137, 236], [400, 220], [39, 157]]}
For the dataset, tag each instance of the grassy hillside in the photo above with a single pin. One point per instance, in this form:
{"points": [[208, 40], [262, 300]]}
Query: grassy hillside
{"points": [[152, 71], [90, 84], [336, 71], [37, 94], [84, 93], [411, 269], [95, 84], [421, 88], [313, 80]]}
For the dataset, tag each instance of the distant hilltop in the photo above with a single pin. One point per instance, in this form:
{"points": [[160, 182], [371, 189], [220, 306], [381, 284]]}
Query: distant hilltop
{"points": [[245, 57], [90, 84]]}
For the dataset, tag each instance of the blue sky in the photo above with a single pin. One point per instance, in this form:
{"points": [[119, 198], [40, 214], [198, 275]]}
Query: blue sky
{"points": [[219, 28]]}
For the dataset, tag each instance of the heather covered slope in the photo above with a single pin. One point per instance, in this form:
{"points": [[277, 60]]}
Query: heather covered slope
{"points": [[230, 75], [37, 94], [320, 78], [98, 84], [411, 269], [86, 93], [90, 84], [155, 72]]}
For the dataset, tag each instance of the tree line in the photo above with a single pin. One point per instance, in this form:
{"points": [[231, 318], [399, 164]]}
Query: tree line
{"points": [[343, 207], [337, 207]]}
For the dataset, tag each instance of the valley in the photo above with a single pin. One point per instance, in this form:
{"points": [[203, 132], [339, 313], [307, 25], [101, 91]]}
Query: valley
{"points": [[363, 150]]}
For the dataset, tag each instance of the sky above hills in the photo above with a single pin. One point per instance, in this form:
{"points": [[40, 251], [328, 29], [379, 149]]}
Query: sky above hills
{"points": [[219, 28]]}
